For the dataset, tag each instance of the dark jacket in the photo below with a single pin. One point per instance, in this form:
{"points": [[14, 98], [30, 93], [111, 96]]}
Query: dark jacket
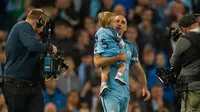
{"points": [[22, 53], [191, 69]]}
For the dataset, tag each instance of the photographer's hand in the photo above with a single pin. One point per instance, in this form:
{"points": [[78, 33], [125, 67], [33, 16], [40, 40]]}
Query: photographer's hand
{"points": [[54, 49]]}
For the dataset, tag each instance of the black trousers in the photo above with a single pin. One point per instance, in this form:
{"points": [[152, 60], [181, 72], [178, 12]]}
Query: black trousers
{"points": [[22, 97]]}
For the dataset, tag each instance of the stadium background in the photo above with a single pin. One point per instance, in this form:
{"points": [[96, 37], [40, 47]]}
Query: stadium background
{"points": [[74, 25]]}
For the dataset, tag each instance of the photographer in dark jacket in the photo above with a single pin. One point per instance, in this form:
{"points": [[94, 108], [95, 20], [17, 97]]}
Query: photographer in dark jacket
{"points": [[21, 89], [187, 56]]}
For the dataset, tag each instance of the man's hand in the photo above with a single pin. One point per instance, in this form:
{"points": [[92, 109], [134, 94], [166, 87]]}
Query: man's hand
{"points": [[122, 57], [54, 49], [145, 92]]}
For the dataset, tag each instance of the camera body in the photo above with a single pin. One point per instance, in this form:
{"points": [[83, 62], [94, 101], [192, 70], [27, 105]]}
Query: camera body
{"points": [[167, 77], [52, 64], [174, 33]]}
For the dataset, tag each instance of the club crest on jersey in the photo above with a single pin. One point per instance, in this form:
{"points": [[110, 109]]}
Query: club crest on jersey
{"points": [[95, 51], [129, 53]]}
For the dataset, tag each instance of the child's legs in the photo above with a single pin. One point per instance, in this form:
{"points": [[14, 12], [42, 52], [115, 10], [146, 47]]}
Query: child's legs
{"points": [[104, 73], [121, 67]]}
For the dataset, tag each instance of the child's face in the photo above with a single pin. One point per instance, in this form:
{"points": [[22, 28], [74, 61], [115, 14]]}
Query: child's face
{"points": [[160, 60]]}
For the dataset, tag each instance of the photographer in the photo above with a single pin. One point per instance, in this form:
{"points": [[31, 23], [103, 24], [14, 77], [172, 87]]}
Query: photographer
{"points": [[21, 89], [186, 56]]}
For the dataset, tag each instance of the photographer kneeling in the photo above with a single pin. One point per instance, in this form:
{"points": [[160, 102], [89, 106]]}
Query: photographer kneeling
{"points": [[21, 89], [187, 56]]}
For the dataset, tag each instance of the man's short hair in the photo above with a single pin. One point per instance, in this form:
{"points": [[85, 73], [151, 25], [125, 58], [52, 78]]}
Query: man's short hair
{"points": [[38, 15], [187, 20], [35, 14]]}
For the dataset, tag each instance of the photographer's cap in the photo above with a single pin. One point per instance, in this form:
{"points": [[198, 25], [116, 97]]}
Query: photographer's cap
{"points": [[187, 20]]}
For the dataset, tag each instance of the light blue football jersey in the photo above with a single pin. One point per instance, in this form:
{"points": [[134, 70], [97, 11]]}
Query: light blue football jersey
{"points": [[114, 87], [107, 42]]}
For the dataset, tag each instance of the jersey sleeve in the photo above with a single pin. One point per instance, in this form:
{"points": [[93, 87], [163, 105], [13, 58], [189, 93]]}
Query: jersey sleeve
{"points": [[135, 57]]}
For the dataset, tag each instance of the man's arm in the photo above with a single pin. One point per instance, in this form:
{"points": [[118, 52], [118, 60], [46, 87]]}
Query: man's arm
{"points": [[143, 81], [101, 61], [141, 74], [182, 44], [28, 39]]}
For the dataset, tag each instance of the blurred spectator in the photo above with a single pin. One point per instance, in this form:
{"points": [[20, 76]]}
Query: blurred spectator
{"points": [[177, 9], [84, 107], [94, 8], [97, 72], [89, 26], [159, 6], [50, 11], [156, 103], [77, 5], [3, 35], [134, 15], [136, 107], [3, 7], [50, 107], [106, 5], [81, 46], [63, 35], [85, 9], [132, 34], [85, 68], [162, 60], [119, 10], [2, 58], [28, 6], [148, 58], [90, 94], [128, 4], [166, 43], [196, 4], [99, 107], [6, 18], [187, 4], [149, 33], [16, 7], [67, 11], [144, 2], [68, 81], [54, 95], [95, 83], [72, 102]]}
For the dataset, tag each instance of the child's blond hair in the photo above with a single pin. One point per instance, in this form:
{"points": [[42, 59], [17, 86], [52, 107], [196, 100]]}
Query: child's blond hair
{"points": [[105, 18]]}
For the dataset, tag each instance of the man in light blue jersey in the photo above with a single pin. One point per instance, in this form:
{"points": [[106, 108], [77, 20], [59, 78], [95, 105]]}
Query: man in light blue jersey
{"points": [[117, 97], [109, 44]]}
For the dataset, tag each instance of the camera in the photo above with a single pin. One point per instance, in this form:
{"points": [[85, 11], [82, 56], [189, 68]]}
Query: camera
{"points": [[174, 33], [167, 77], [52, 64]]}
